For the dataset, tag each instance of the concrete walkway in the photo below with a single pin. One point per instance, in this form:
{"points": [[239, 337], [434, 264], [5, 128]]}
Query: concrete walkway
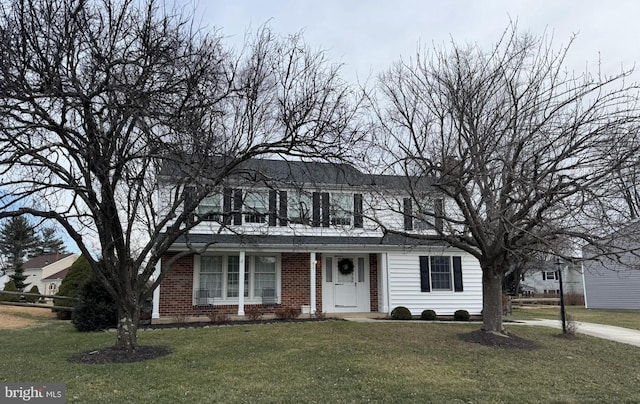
{"points": [[610, 332]]}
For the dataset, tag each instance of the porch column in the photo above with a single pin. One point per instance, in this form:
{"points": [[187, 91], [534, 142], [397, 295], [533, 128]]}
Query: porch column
{"points": [[155, 313], [384, 282], [312, 284], [241, 284]]}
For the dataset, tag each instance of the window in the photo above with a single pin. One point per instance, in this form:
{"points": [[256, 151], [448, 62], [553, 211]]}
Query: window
{"points": [[211, 208], [220, 276], [440, 273], [424, 219], [426, 216], [256, 206], [264, 274], [341, 209], [211, 276], [299, 206], [549, 275]]}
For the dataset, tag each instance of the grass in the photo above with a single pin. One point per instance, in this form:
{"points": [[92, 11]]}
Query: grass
{"points": [[620, 318], [333, 361]]}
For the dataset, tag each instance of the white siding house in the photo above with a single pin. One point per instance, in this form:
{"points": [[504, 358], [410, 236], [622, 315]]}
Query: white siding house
{"points": [[310, 235]]}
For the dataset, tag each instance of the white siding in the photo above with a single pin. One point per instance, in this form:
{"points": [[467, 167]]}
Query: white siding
{"points": [[611, 286], [404, 285]]}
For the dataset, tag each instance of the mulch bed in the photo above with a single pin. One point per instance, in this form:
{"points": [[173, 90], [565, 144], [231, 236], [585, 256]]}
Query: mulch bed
{"points": [[112, 355], [496, 341]]}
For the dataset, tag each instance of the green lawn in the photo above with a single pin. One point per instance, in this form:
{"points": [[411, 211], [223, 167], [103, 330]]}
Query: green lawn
{"points": [[332, 361], [620, 318]]}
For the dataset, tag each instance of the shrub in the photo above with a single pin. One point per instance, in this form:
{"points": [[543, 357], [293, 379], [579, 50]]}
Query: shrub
{"points": [[219, 318], [78, 274], [287, 313], [9, 287], [428, 315], [570, 324], [96, 310], [461, 315], [33, 299], [401, 313], [253, 313]]}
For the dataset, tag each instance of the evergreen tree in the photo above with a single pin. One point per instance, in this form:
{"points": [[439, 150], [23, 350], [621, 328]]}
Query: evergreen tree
{"points": [[17, 240], [77, 276], [9, 287], [18, 277], [49, 243]]}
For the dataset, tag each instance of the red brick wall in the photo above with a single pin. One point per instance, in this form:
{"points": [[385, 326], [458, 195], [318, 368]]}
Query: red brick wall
{"points": [[177, 287], [295, 288], [373, 282]]}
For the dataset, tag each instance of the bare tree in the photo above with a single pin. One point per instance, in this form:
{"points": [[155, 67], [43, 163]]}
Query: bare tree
{"points": [[515, 143], [99, 98]]}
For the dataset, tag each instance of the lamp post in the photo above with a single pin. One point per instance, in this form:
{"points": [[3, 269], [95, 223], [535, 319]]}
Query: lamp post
{"points": [[562, 312]]}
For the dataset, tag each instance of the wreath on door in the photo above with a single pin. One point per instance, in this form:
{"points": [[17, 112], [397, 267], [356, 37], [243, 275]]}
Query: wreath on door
{"points": [[345, 266]]}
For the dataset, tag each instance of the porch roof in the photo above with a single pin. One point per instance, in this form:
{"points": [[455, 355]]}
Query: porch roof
{"points": [[392, 241]]}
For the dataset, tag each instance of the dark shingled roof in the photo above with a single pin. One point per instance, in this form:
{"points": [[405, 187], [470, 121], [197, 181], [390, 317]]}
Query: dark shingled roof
{"points": [[298, 172]]}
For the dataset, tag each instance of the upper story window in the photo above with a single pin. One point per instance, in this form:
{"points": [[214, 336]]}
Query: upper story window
{"points": [[211, 208], [424, 218], [299, 206], [256, 206], [341, 209], [427, 216]]}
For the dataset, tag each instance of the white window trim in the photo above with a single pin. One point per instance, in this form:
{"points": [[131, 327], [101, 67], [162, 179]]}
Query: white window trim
{"points": [[249, 258], [344, 213], [451, 280]]}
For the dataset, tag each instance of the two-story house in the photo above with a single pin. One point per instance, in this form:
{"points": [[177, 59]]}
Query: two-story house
{"points": [[311, 235]]}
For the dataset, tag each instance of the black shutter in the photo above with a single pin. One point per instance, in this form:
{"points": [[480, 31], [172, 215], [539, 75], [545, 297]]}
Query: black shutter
{"points": [[544, 276], [438, 210], [425, 285], [357, 211], [315, 220], [226, 205], [272, 208], [408, 214], [457, 274], [283, 208], [189, 193], [237, 206], [325, 209]]}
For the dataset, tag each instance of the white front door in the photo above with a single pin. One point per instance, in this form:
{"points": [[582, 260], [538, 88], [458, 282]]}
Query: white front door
{"points": [[345, 284]]}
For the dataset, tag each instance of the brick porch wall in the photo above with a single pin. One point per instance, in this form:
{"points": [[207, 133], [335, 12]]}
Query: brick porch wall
{"points": [[177, 287], [373, 282]]}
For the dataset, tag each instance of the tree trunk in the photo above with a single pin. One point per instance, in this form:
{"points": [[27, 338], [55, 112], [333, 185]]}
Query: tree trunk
{"points": [[492, 301], [128, 318]]}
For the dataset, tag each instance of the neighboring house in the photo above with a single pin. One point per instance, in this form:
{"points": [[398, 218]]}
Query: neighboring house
{"points": [[543, 277], [47, 271], [611, 283], [309, 235]]}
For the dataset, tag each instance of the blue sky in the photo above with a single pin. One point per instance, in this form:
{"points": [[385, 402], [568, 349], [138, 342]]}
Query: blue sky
{"points": [[368, 36]]}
